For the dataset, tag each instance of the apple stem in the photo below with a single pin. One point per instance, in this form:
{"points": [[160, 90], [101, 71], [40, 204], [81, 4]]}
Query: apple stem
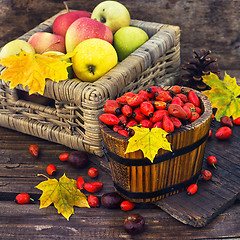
{"points": [[66, 6], [58, 41], [91, 69]]}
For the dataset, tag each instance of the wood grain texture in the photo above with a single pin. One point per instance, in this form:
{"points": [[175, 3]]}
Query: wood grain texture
{"points": [[205, 24]]}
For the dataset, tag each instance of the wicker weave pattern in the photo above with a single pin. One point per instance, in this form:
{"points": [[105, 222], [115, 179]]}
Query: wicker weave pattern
{"points": [[74, 119]]}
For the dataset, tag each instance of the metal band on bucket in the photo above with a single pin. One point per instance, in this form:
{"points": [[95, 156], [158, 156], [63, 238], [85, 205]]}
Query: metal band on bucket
{"points": [[146, 195], [158, 159]]}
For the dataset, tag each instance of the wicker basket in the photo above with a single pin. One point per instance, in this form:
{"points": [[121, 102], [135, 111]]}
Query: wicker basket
{"points": [[72, 120], [139, 180]]}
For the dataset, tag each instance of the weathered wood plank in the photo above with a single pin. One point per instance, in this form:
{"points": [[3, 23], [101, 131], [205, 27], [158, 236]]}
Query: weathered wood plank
{"points": [[107, 224]]}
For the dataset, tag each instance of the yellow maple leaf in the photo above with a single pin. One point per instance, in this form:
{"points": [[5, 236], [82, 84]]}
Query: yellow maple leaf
{"points": [[32, 70], [64, 194], [149, 141]]}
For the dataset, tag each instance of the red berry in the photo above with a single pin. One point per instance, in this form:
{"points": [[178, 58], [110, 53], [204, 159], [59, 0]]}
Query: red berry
{"points": [[177, 100], [147, 109], [123, 119], [193, 98], [127, 110], [92, 172], [210, 133], [158, 115], [206, 175], [188, 111], [212, 161], [116, 128], [112, 106], [137, 115], [176, 122], [135, 100], [144, 94], [226, 121], [198, 110], [51, 169], [158, 125], [80, 183], [236, 121], [168, 125], [34, 150], [127, 206], [183, 97], [192, 189], [23, 198], [152, 90], [192, 107], [93, 187], [194, 117], [64, 157], [223, 133], [123, 132], [176, 89], [93, 201], [122, 100], [109, 119], [131, 123], [146, 123], [177, 111], [162, 95]]}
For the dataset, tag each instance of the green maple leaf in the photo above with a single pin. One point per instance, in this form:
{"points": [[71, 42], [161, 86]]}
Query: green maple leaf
{"points": [[149, 141], [224, 95], [64, 194]]}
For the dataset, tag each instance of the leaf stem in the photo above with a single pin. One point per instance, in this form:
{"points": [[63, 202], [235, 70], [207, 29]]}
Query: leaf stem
{"points": [[40, 174]]}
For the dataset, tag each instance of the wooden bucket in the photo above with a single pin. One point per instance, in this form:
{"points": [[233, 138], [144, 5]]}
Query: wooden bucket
{"points": [[139, 180]]}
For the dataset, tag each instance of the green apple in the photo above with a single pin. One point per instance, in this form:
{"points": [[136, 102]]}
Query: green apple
{"points": [[15, 47], [54, 53], [127, 39], [113, 14]]}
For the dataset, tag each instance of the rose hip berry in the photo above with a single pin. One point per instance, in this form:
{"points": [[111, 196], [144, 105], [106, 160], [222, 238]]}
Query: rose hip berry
{"points": [[34, 150], [236, 121], [63, 157], [93, 187], [206, 175], [80, 183], [23, 198], [212, 161], [226, 121], [92, 172], [192, 189], [223, 133], [51, 170], [93, 201], [127, 206]]}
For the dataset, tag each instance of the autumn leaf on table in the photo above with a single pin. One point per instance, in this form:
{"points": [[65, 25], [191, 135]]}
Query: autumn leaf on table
{"points": [[223, 95], [149, 141], [64, 194], [32, 70]]}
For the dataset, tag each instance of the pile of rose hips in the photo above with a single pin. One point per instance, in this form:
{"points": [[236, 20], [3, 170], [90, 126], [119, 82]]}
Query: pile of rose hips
{"points": [[155, 107]]}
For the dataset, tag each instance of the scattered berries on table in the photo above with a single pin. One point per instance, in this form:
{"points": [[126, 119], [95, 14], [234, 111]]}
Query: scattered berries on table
{"points": [[212, 161], [223, 133], [93, 201], [206, 175], [127, 206], [92, 172], [51, 170], [192, 189], [34, 150], [23, 198], [63, 157]]}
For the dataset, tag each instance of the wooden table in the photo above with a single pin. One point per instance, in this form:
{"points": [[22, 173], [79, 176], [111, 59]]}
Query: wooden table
{"points": [[18, 173]]}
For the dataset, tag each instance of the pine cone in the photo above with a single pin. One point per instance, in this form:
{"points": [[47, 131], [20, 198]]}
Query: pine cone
{"points": [[199, 65]]}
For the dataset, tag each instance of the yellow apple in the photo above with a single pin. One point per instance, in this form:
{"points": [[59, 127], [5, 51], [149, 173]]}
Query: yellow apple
{"points": [[111, 13], [127, 39], [93, 58], [15, 47]]}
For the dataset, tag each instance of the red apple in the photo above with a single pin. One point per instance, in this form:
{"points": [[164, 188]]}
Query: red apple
{"points": [[85, 28], [63, 21], [44, 42]]}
